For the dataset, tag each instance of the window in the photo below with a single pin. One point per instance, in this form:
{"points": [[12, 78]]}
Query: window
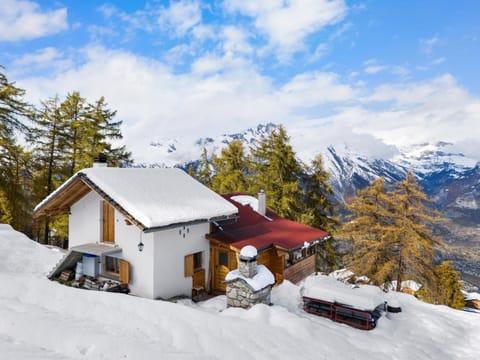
{"points": [[112, 264], [197, 261], [223, 258]]}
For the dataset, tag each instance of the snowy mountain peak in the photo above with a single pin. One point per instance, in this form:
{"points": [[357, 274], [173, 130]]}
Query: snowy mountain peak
{"points": [[433, 157], [178, 152]]}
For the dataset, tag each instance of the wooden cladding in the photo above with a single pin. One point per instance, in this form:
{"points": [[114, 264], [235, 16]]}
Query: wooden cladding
{"points": [[300, 270], [199, 279], [60, 204], [124, 274], [108, 223], [219, 267], [189, 265]]}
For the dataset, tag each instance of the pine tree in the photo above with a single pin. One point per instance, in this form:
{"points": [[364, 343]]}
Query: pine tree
{"points": [[277, 172], [204, 169], [231, 169], [318, 211], [318, 193], [101, 131]]}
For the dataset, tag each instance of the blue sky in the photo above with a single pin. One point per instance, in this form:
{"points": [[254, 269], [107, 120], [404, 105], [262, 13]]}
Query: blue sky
{"points": [[364, 72]]}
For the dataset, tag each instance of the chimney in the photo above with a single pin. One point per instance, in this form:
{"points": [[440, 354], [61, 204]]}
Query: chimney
{"points": [[247, 261], [100, 161], [262, 200]]}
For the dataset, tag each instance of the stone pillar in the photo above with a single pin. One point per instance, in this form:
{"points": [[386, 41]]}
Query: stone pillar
{"points": [[247, 262]]}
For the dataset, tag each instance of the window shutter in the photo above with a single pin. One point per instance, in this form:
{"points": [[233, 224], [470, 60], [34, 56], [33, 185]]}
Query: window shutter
{"points": [[189, 265], [124, 275]]}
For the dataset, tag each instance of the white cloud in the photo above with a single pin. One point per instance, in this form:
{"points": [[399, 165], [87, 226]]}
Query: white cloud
{"points": [[427, 45], [372, 67], [181, 16], [40, 58], [24, 20], [438, 61], [225, 94], [286, 23], [204, 32], [432, 110], [375, 69], [315, 89], [235, 40], [155, 102]]}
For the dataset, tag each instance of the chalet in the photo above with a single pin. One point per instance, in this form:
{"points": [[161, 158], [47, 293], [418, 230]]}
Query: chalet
{"points": [[285, 247], [145, 227], [165, 234]]}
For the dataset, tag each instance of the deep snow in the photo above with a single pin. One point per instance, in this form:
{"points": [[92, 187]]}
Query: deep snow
{"points": [[41, 319]]}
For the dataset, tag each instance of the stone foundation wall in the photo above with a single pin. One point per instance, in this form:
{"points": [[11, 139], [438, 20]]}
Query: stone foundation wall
{"points": [[239, 294]]}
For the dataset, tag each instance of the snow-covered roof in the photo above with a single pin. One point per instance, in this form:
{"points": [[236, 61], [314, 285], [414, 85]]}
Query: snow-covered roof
{"points": [[246, 200], [472, 296], [155, 197], [262, 278], [329, 289]]}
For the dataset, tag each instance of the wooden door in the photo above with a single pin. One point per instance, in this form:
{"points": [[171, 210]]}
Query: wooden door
{"points": [[108, 223], [221, 269]]}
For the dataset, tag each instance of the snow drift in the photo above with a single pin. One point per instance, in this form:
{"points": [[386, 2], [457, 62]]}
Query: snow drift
{"points": [[41, 319]]}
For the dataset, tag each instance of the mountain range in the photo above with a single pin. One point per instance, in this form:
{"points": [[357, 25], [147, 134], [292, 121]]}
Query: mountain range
{"points": [[449, 178]]}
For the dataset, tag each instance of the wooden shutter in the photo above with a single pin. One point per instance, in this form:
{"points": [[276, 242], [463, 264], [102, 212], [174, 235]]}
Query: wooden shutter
{"points": [[189, 265], [108, 223], [124, 275], [199, 278]]}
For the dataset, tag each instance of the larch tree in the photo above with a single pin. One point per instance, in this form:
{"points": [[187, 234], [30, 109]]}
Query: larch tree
{"points": [[231, 169], [12, 107], [368, 221], [410, 236], [392, 233], [448, 287], [73, 112], [50, 141], [66, 138], [15, 184]]}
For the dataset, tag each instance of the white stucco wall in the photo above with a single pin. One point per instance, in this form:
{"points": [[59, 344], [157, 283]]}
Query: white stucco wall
{"points": [[157, 271], [170, 251], [84, 221], [141, 263]]}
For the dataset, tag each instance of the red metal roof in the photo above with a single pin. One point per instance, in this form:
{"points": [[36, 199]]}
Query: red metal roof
{"points": [[263, 232]]}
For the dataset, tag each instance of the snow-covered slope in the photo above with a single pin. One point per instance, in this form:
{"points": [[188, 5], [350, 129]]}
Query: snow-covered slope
{"points": [[41, 319], [351, 170], [428, 158]]}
